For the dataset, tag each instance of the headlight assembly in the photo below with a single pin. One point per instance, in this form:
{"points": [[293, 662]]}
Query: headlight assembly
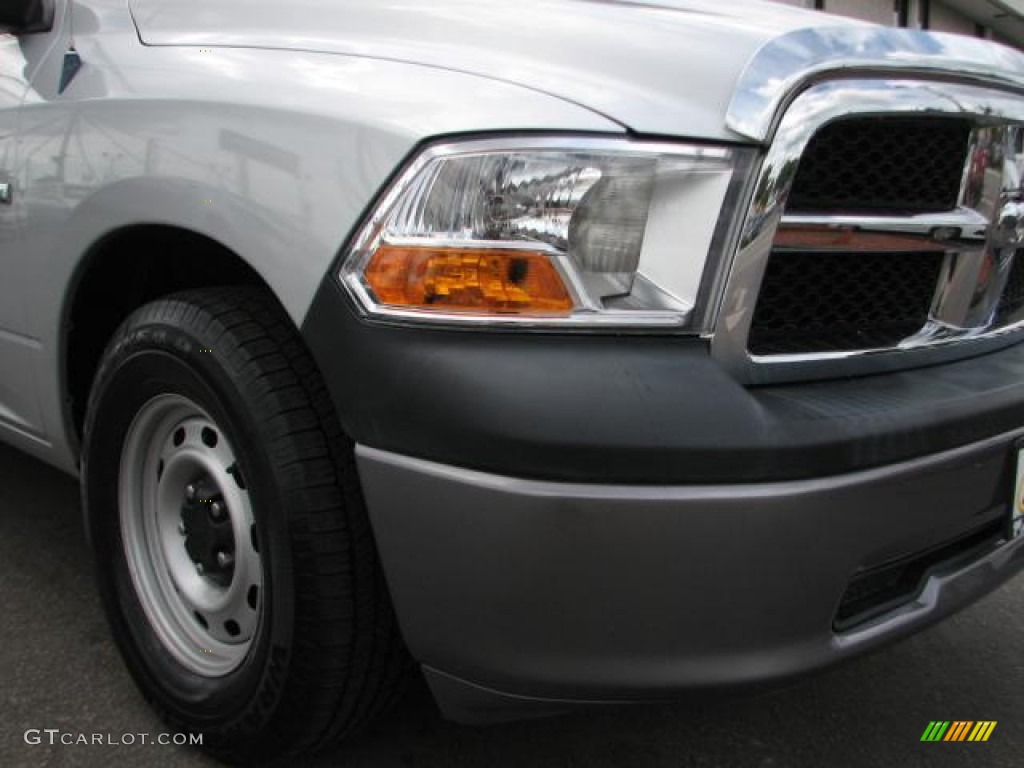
{"points": [[569, 231]]}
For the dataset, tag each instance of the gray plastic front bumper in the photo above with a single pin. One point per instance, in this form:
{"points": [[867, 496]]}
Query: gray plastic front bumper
{"points": [[525, 597]]}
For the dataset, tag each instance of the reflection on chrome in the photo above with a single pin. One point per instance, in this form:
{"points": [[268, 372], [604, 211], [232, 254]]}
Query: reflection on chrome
{"points": [[979, 237], [789, 63]]}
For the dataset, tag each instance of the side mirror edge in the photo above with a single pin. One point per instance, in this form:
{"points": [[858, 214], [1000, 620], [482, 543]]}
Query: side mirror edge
{"points": [[27, 17]]}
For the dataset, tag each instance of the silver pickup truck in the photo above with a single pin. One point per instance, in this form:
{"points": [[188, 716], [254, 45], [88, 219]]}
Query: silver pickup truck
{"points": [[567, 351]]}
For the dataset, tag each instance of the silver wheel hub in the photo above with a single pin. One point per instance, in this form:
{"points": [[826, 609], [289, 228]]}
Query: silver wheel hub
{"points": [[189, 535]]}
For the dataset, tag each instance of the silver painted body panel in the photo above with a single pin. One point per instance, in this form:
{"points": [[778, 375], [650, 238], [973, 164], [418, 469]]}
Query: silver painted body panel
{"points": [[273, 153], [666, 67]]}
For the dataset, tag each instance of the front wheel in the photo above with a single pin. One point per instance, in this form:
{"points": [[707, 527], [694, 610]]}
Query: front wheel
{"points": [[234, 555]]}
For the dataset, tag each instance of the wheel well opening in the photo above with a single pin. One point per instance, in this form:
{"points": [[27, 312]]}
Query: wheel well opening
{"points": [[123, 271]]}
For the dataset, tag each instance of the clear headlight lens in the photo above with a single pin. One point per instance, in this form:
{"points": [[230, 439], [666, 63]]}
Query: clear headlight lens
{"points": [[544, 231]]}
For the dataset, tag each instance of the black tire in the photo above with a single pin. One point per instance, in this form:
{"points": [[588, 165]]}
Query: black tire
{"points": [[325, 656]]}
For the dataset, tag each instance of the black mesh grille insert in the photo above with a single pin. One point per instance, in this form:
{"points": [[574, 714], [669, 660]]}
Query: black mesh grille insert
{"points": [[813, 301], [1012, 300], [882, 164]]}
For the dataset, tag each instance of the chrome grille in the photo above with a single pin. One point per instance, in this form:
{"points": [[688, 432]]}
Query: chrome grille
{"points": [[864, 291], [811, 97], [890, 234]]}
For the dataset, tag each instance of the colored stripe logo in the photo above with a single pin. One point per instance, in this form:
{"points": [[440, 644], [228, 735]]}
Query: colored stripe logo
{"points": [[958, 730]]}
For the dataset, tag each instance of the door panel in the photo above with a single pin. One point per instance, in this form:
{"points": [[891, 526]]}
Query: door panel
{"points": [[13, 85], [23, 61]]}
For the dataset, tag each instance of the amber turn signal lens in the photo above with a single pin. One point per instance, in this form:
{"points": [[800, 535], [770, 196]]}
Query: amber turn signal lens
{"points": [[467, 279]]}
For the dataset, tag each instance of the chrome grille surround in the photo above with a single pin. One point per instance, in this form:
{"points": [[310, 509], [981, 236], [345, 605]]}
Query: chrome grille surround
{"points": [[787, 65], [979, 238]]}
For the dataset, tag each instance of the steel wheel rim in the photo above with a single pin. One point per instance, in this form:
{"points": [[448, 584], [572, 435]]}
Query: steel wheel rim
{"points": [[196, 567]]}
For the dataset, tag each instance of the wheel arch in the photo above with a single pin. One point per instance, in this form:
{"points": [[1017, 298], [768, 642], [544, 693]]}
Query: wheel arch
{"points": [[119, 272]]}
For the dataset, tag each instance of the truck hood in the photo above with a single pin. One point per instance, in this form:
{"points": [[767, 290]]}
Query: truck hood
{"points": [[659, 67]]}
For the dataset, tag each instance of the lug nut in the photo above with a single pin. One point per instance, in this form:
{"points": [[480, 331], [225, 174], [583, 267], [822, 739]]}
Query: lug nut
{"points": [[190, 492], [199, 568], [217, 511], [225, 559]]}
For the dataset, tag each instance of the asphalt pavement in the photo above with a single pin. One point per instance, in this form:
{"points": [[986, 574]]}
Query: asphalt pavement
{"points": [[60, 670]]}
